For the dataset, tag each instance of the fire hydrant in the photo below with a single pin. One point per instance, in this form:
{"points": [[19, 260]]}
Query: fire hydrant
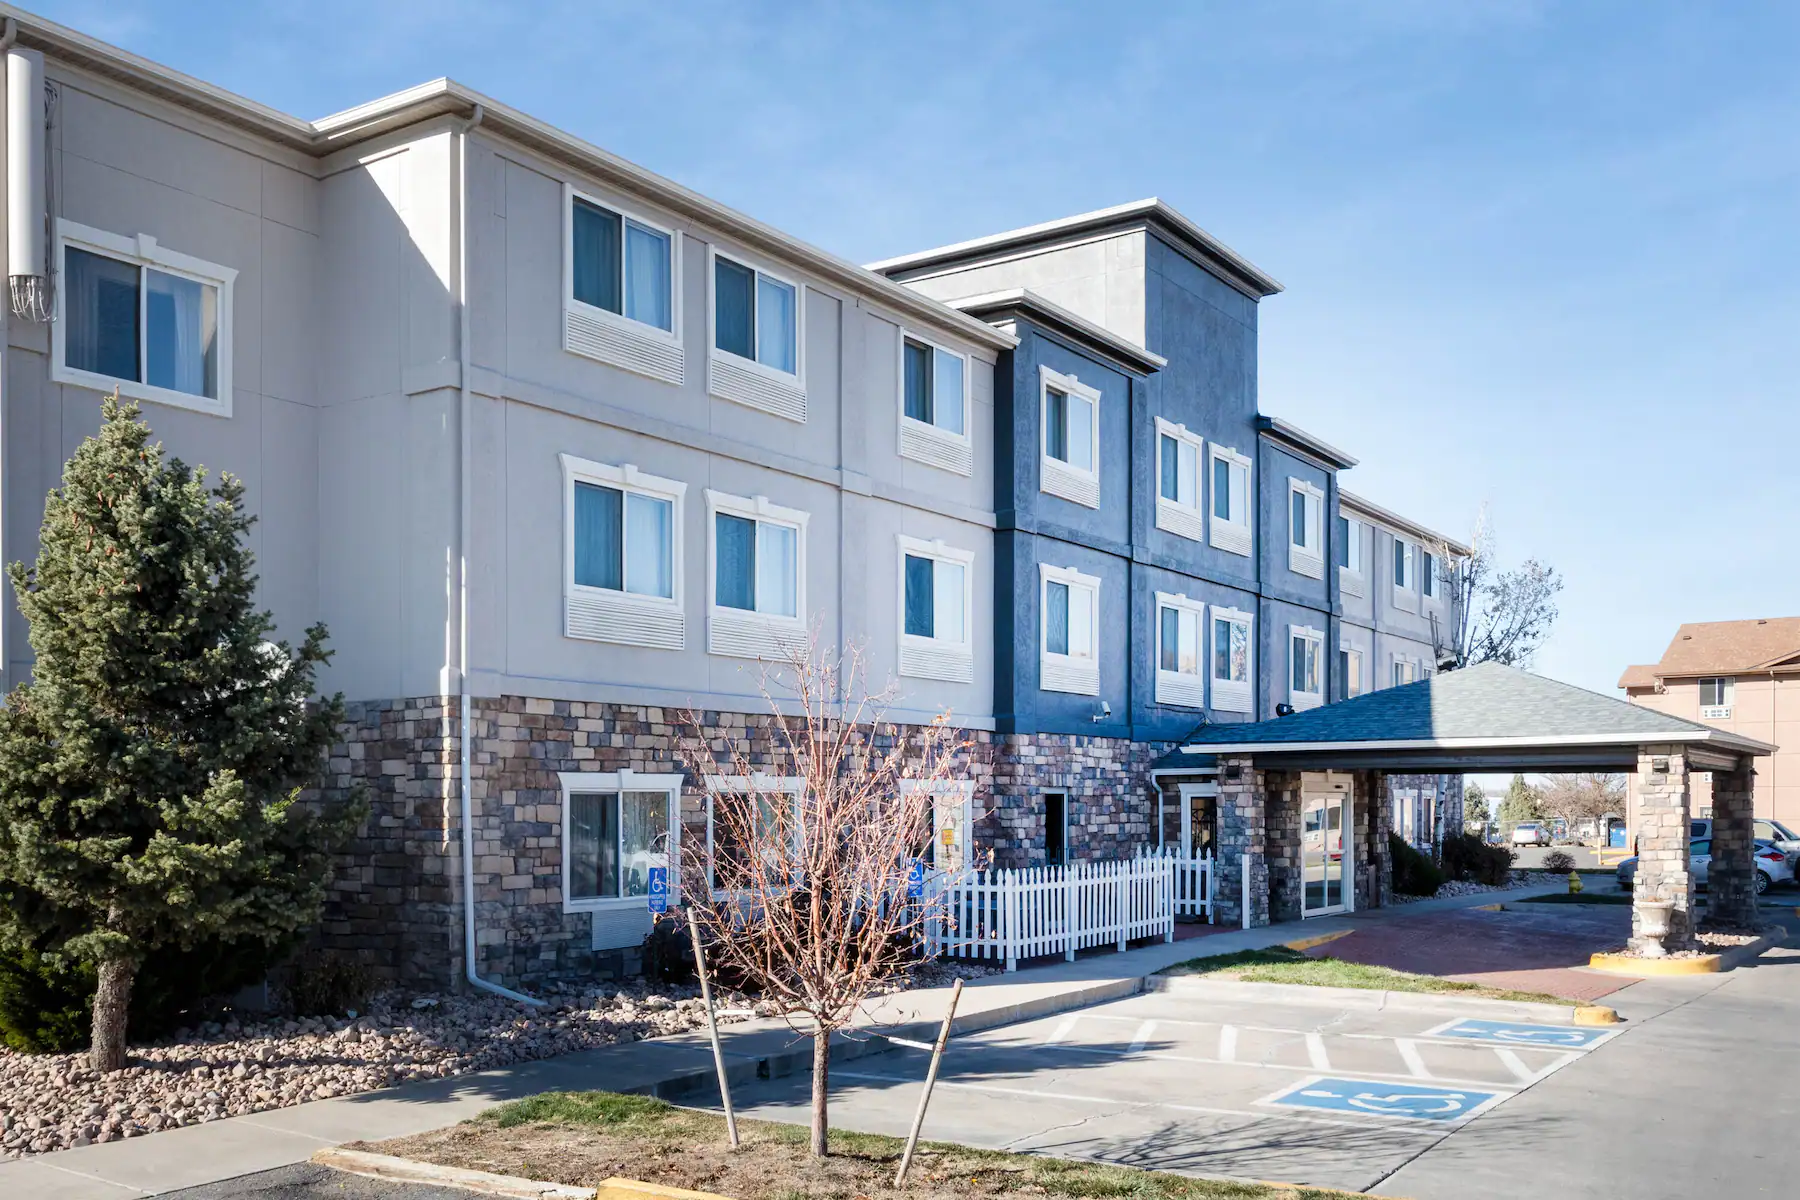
{"points": [[1574, 883]]}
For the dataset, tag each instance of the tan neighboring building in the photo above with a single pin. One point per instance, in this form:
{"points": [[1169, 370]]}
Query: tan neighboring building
{"points": [[1743, 676]]}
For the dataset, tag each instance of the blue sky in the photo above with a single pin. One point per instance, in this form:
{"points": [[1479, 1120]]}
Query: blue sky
{"points": [[1539, 257]]}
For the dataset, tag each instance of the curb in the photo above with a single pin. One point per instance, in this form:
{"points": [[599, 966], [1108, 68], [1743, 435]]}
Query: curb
{"points": [[1706, 964], [1310, 942], [1362, 998], [618, 1188], [405, 1170]]}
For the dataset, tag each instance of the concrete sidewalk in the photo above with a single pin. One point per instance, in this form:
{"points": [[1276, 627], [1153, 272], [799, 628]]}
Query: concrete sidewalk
{"points": [[670, 1067]]}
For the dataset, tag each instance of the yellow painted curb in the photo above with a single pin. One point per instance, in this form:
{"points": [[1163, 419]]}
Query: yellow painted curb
{"points": [[1489, 907], [1625, 964], [1595, 1014], [1309, 943], [636, 1189]]}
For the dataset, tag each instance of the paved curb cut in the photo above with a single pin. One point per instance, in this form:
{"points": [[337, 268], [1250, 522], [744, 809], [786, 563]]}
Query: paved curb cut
{"points": [[405, 1170], [1361, 998]]}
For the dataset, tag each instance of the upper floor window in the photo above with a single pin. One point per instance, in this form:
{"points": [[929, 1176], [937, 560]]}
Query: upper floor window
{"points": [[1428, 574], [136, 316], [935, 607], [1405, 671], [1070, 462], [1230, 524], [1178, 455], [622, 579], [623, 275], [1306, 542], [1071, 631], [758, 577], [1350, 670], [1179, 655], [756, 315], [1306, 667], [1350, 556], [1716, 697], [1233, 661], [934, 406], [1406, 575]]}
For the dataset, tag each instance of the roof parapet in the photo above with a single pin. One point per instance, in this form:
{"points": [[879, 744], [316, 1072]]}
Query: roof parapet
{"points": [[1047, 312]]}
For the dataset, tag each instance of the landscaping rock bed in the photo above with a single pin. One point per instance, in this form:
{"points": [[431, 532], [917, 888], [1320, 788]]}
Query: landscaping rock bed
{"points": [[1462, 887], [245, 1065]]}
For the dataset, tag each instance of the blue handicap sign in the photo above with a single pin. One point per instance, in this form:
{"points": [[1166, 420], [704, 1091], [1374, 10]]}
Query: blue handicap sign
{"points": [[1519, 1033], [915, 880], [1412, 1101], [659, 889]]}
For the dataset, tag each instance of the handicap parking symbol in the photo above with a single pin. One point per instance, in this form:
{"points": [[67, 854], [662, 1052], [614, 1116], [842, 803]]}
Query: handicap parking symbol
{"points": [[915, 879], [1517, 1033], [1408, 1101], [659, 889]]}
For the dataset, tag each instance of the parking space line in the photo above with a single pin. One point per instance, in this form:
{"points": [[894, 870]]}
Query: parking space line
{"points": [[1409, 1054], [1062, 1030], [1315, 1051], [1423, 1039], [1227, 1043], [1308, 1069], [1514, 1063], [1143, 1036]]}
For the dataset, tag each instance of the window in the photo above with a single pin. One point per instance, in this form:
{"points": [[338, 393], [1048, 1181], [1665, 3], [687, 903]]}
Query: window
{"points": [[622, 555], [1071, 631], [615, 828], [952, 818], [624, 289], [1230, 522], [934, 406], [1056, 829], [151, 322], [1179, 625], [758, 339], [1350, 670], [1428, 571], [758, 586], [1405, 671], [1306, 667], [1306, 543], [1350, 556], [935, 607], [1178, 455], [1716, 698], [1070, 463], [1232, 661], [743, 812]]}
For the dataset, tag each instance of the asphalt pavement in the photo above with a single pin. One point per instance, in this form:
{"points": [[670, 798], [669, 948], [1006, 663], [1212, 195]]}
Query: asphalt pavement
{"points": [[304, 1181]]}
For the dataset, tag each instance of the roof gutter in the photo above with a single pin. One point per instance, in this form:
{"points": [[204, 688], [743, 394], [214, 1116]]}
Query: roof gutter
{"points": [[1713, 736], [1398, 523]]}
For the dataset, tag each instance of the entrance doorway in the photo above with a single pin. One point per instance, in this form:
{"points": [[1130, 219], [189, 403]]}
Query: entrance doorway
{"points": [[1198, 821], [1326, 849]]}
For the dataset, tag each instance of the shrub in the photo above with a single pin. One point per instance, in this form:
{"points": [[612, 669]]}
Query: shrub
{"points": [[668, 953], [1559, 862], [1414, 873], [1468, 856], [324, 983]]}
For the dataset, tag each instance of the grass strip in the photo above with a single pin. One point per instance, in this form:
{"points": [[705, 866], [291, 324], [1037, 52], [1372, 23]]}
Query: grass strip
{"points": [[1281, 965]]}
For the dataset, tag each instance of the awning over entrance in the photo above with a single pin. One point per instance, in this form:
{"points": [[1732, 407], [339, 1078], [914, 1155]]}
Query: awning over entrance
{"points": [[1482, 718]]}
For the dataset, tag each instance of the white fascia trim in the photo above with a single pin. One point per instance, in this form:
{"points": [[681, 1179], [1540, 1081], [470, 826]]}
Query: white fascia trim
{"points": [[1649, 739], [1392, 522]]}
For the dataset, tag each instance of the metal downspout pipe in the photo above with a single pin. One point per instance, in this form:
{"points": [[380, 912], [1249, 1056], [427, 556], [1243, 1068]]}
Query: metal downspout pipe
{"points": [[465, 408]]}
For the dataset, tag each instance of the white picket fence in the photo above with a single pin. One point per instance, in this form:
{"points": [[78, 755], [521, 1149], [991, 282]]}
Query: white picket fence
{"points": [[1004, 916]]}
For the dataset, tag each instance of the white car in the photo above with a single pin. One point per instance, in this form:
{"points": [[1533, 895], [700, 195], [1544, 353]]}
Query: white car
{"points": [[1530, 833]]}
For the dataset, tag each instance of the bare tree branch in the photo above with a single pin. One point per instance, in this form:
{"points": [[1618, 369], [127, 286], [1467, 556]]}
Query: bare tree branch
{"points": [[1496, 615]]}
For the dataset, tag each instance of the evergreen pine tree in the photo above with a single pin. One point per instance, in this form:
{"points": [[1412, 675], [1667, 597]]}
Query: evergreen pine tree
{"points": [[150, 772]]}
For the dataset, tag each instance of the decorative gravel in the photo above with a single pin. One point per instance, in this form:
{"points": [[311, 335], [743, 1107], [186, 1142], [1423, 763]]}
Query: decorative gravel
{"points": [[55, 1101], [1463, 887]]}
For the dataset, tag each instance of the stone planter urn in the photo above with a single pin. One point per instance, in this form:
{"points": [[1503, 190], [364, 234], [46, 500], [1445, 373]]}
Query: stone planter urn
{"points": [[1653, 926]]}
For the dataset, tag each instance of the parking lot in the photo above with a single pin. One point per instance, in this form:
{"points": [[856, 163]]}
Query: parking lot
{"points": [[1307, 1093]]}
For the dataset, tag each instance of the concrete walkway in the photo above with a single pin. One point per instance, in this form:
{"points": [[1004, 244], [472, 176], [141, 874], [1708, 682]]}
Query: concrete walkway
{"points": [[670, 1067]]}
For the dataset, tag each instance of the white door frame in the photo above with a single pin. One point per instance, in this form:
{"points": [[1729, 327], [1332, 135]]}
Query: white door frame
{"points": [[1339, 786], [1188, 791]]}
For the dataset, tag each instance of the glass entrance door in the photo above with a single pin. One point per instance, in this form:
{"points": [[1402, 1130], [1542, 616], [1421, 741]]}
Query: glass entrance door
{"points": [[1325, 844]]}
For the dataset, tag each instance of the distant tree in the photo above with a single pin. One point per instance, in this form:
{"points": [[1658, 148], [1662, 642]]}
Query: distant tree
{"points": [[1475, 807], [1496, 615], [1521, 803], [1584, 796], [150, 771]]}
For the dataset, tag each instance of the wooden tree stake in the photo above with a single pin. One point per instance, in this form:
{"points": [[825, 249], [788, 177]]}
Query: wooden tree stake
{"points": [[937, 1055], [712, 1027]]}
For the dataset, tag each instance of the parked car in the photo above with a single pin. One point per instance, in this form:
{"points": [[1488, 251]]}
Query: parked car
{"points": [[1773, 865], [1530, 833], [1765, 829]]}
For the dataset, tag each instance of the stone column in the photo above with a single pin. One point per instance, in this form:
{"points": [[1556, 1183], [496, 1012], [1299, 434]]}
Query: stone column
{"points": [[1242, 836], [1662, 822], [1282, 845], [1375, 860], [1731, 877]]}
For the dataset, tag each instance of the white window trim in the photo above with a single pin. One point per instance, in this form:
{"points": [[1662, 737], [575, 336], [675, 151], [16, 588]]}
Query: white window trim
{"points": [[1362, 674], [936, 657], [960, 795], [792, 785], [1172, 515], [1718, 712], [1307, 560], [1299, 699], [1430, 591], [742, 633], [746, 381], [614, 338], [1229, 695], [1176, 687], [143, 251], [626, 618], [571, 193], [1237, 537], [1351, 579], [573, 782], [1415, 668], [924, 441], [1064, 672], [1056, 477]]}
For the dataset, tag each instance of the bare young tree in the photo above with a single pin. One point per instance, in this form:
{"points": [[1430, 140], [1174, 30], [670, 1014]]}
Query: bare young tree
{"points": [[803, 895], [1496, 615], [1584, 796]]}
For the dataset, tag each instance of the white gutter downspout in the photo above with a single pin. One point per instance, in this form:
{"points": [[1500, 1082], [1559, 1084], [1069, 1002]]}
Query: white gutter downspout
{"points": [[9, 34], [464, 452]]}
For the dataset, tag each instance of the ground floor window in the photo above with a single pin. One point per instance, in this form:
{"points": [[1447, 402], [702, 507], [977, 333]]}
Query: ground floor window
{"points": [[617, 828]]}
